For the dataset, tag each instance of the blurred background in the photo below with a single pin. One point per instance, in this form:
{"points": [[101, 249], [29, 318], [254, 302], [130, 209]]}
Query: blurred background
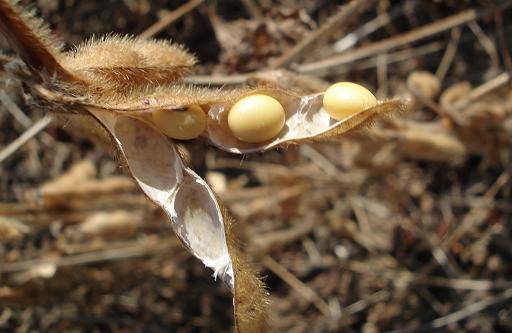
{"points": [[406, 226]]}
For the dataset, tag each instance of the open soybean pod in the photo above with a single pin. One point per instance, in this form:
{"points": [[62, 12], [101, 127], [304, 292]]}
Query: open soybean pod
{"points": [[305, 120], [195, 214]]}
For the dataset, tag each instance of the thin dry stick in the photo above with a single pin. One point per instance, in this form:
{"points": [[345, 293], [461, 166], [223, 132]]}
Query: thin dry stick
{"points": [[320, 160], [476, 214], [401, 55], [451, 114], [394, 57], [332, 24], [382, 75], [369, 27], [487, 44], [24, 138], [303, 290], [13, 109], [362, 304], [168, 19], [502, 41], [397, 41], [449, 54], [253, 9], [461, 314], [465, 284], [482, 90], [128, 251], [409, 278], [352, 38]]}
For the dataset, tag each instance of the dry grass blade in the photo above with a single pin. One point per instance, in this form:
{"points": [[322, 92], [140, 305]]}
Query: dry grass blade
{"points": [[393, 42], [127, 251], [484, 89], [24, 138], [461, 314], [352, 38], [332, 24], [299, 287], [15, 110], [170, 18], [253, 9]]}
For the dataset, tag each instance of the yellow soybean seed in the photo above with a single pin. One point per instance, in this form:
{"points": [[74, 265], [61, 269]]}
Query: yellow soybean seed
{"points": [[181, 124], [343, 99], [256, 118]]}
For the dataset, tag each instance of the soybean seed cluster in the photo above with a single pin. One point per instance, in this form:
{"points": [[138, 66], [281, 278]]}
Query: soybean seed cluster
{"points": [[259, 118]]}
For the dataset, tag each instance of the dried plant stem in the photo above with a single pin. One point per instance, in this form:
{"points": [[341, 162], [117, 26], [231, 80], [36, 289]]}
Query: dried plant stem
{"points": [[130, 250], [352, 38], [404, 277], [473, 218], [502, 41], [253, 9], [477, 214], [382, 75], [303, 290], [362, 304], [454, 117], [487, 44], [170, 18], [394, 57], [482, 90], [461, 314], [449, 54], [332, 24], [369, 27], [264, 242], [320, 160], [400, 40], [24, 138], [13, 109]]}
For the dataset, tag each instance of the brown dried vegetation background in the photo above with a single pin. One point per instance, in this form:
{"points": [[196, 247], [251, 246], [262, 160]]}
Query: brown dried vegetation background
{"points": [[407, 226]]}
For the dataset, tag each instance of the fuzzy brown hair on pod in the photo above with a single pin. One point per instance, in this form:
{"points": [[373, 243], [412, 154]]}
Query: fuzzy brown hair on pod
{"points": [[119, 62]]}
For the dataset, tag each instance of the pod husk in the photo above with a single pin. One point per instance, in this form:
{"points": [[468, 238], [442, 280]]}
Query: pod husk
{"points": [[196, 217]]}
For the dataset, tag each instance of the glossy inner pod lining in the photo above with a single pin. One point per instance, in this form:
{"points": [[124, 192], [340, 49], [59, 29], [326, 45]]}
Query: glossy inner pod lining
{"points": [[305, 119], [188, 201]]}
